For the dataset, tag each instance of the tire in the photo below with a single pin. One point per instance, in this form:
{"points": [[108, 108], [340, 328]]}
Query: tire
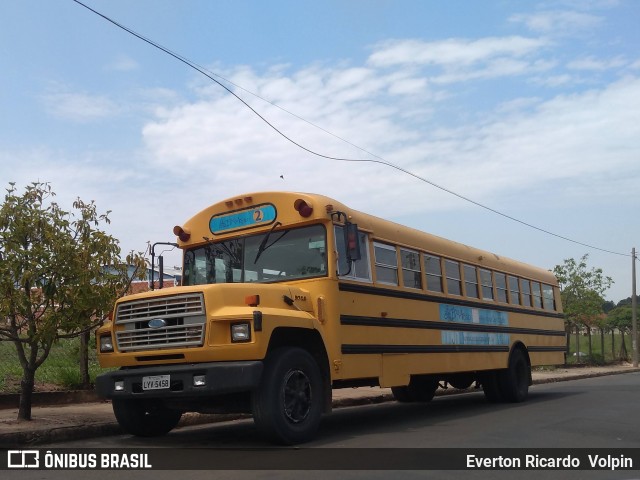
{"points": [[514, 381], [491, 386], [145, 418], [420, 389], [288, 405], [402, 394], [461, 381]]}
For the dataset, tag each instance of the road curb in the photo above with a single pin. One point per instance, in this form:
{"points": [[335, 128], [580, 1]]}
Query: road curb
{"points": [[580, 376], [60, 434], [45, 399]]}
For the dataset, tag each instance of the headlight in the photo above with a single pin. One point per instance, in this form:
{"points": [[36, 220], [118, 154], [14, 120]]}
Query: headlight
{"points": [[241, 332], [106, 344]]}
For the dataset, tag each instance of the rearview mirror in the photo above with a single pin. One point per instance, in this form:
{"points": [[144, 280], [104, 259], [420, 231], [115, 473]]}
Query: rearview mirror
{"points": [[352, 245]]}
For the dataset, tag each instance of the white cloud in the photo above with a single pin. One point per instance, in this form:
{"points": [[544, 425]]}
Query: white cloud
{"points": [[79, 107], [452, 52], [557, 22], [570, 139], [574, 141], [500, 67], [593, 64], [456, 60], [555, 81], [123, 63]]}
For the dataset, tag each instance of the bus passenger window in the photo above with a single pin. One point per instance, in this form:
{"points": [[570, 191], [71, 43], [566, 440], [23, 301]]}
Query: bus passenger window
{"points": [[526, 293], [514, 290], [454, 282], [486, 279], [386, 264], [501, 287], [411, 274], [535, 293], [547, 297], [471, 281], [434, 273]]}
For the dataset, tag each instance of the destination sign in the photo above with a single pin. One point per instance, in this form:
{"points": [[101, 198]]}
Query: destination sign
{"points": [[241, 219]]}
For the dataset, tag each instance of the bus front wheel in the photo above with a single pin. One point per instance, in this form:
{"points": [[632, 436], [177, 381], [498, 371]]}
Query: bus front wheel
{"points": [[287, 407], [145, 418]]}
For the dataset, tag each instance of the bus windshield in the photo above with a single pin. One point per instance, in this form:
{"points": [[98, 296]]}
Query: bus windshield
{"points": [[273, 256]]}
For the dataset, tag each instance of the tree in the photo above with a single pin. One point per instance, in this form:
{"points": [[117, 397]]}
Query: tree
{"points": [[60, 275], [620, 318], [602, 323], [608, 306], [582, 292]]}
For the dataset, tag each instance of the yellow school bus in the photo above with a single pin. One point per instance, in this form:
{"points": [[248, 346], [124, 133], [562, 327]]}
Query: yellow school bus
{"points": [[286, 296]]}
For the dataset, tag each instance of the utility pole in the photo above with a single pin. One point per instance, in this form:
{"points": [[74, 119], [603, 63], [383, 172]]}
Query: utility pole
{"points": [[634, 308]]}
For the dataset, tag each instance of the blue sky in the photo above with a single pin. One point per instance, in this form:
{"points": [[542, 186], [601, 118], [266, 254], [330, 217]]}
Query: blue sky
{"points": [[532, 108]]}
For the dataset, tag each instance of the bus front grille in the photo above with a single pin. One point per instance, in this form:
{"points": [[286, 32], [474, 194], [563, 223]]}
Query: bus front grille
{"points": [[166, 322]]}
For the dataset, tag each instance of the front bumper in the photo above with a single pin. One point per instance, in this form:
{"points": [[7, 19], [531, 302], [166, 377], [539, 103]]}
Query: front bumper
{"points": [[221, 378]]}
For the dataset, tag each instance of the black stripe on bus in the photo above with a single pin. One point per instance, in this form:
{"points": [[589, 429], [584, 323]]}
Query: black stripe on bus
{"points": [[369, 349], [385, 292], [436, 325], [547, 349]]}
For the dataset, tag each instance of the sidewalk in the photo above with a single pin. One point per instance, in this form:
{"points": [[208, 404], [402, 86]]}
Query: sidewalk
{"points": [[93, 419]]}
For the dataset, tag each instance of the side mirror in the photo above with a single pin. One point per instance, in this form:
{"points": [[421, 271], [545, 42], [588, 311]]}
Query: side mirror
{"points": [[352, 245]]}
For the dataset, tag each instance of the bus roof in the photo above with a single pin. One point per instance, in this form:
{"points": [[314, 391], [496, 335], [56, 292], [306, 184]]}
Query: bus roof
{"points": [[380, 229]]}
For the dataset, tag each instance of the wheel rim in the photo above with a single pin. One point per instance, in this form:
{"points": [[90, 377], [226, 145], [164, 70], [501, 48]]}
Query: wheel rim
{"points": [[296, 396]]}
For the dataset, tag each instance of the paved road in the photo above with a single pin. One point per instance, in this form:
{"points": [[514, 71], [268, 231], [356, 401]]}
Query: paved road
{"points": [[591, 413]]}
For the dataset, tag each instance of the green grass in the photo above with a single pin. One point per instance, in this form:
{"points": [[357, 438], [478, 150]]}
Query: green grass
{"points": [[598, 357], [60, 370]]}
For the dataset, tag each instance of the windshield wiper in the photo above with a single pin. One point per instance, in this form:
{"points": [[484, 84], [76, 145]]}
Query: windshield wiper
{"points": [[263, 245]]}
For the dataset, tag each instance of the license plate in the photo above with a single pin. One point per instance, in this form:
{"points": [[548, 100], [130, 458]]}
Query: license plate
{"points": [[156, 382]]}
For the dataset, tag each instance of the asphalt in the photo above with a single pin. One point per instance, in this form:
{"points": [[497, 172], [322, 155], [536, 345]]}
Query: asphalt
{"points": [[65, 416]]}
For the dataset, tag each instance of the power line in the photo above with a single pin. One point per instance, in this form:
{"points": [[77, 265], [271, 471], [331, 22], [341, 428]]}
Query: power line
{"points": [[376, 159]]}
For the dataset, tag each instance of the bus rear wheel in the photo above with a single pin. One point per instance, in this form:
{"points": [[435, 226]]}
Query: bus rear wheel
{"points": [[514, 381], [145, 418], [288, 405], [420, 389]]}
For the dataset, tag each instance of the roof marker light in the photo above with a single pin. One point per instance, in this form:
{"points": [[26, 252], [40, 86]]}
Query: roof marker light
{"points": [[303, 208], [183, 234]]}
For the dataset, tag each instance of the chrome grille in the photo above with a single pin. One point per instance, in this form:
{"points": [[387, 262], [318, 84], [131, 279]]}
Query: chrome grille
{"points": [[183, 321], [180, 305]]}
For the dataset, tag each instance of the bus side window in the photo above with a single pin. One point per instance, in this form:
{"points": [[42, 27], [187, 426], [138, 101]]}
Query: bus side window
{"points": [[514, 290], [526, 292], [434, 272], [536, 294], [501, 287], [470, 281], [486, 279], [454, 280], [362, 267], [411, 274], [547, 297], [386, 263]]}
